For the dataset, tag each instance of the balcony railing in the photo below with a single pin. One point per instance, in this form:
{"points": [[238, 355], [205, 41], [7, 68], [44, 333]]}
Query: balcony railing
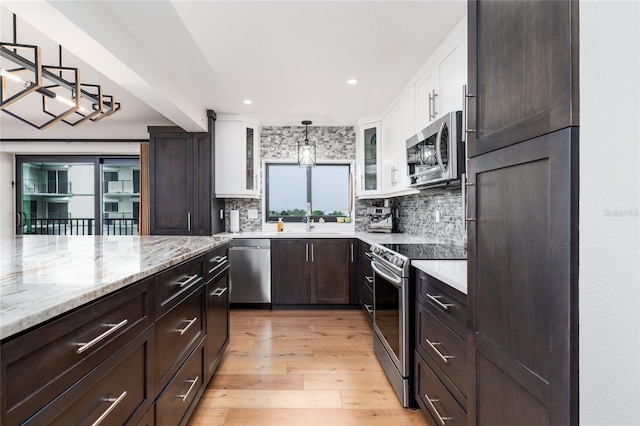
{"points": [[79, 226], [121, 187], [35, 186]]}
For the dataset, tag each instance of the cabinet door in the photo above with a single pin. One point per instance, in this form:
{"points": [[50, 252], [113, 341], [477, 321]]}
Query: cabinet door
{"points": [[201, 176], [451, 68], [369, 159], [229, 153], [425, 88], [389, 141], [406, 129], [171, 183], [330, 261], [290, 271], [250, 142], [522, 71], [217, 319], [522, 281]]}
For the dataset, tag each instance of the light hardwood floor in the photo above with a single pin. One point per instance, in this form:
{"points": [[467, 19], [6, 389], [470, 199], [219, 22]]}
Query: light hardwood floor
{"points": [[301, 368]]}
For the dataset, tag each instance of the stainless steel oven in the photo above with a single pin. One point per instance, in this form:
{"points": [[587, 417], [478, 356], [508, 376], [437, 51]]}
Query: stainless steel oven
{"points": [[392, 318]]}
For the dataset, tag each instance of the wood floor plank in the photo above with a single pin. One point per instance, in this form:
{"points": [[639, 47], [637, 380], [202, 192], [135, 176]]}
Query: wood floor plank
{"points": [[204, 415], [272, 399], [256, 381], [248, 366], [323, 417], [382, 399], [370, 381], [336, 366]]}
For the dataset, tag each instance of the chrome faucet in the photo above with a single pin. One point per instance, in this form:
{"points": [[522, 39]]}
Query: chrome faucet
{"points": [[307, 217]]}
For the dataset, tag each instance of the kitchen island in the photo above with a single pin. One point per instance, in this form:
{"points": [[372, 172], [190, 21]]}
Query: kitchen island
{"points": [[97, 327]]}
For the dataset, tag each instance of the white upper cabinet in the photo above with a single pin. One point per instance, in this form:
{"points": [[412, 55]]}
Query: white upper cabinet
{"points": [[439, 89], [389, 141], [237, 148], [368, 154]]}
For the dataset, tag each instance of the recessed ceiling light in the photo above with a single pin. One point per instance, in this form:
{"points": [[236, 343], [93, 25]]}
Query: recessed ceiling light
{"points": [[248, 101], [352, 81]]}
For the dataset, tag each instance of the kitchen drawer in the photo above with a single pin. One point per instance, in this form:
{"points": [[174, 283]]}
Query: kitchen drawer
{"points": [[365, 299], [176, 283], [177, 402], [118, 392], [447, 356], [216, 260], [433, 398], [149, 418], [446, 303], [176, 335], [43, 363]]}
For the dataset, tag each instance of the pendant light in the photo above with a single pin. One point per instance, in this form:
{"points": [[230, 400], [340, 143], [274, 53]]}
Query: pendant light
{"points": [[306, 149]]}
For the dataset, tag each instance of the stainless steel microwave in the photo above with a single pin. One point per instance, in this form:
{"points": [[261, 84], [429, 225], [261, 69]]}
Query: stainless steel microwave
{"points": [[436, 155]]}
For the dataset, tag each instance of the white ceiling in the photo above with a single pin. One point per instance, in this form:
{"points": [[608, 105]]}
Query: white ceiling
{"points": [[170, 61]]}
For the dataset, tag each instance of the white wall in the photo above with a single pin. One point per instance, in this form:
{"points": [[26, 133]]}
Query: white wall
{"points": [[609, 301]]}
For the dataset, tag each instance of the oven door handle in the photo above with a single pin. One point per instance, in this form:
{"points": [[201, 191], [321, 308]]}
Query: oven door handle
{"points": [[393, 279]]}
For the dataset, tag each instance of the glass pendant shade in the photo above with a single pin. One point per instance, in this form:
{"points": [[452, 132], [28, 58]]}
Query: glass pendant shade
{"points": [[306, 149]]}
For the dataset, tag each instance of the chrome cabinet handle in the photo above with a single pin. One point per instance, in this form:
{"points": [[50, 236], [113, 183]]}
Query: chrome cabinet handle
{"points": [[312, 253], [193, 383], [188, 280], [431, 115], [441, 419], [368, 308], [434, 103], [112, 407], [463, 178], [444, 306], [433, 345], [218, 292], [189, 221], [465, 101], [369, 279], [191, 322], [361, 182], [351, 252], [306, 255], [113, 328], [219, 260]]}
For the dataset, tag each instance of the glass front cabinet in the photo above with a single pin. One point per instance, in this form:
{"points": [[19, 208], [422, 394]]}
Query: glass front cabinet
{"points": [[368, 159], [237, 146]]}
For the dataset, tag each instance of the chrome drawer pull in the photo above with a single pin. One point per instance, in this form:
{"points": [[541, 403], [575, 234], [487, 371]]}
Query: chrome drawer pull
{"points": [[445, 358], [444, 306], [219, 260], [114, 327], [433, 407], [368, 308], [193, 383], [189, 280], [191, 322], [218, 292], [369, 279], [112, 407]]}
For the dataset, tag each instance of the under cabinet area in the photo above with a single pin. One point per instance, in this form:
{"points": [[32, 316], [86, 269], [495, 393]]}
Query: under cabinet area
{"points": [[312, 271], [440, 362], [140, 355]]}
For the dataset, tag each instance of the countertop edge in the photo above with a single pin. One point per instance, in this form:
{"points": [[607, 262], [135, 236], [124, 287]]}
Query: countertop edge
{"points": [[451, 272]]}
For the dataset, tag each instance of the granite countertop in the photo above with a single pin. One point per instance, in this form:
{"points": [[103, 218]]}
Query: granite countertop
{"points": [[451, 272], [42, 276]]}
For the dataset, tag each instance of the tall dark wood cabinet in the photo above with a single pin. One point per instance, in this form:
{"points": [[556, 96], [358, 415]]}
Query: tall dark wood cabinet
{"points": [[523, 63], [180, 182], [523, 213]]}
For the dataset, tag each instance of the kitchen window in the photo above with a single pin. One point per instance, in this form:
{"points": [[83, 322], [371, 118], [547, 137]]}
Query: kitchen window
{"points": [[289, 188]]}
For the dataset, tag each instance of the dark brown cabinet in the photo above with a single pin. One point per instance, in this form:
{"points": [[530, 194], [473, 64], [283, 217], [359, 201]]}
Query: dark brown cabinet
{"points": [[217, 308], [440, 363], [314, 271], [364, 280], [180, 182], [523, 71]]}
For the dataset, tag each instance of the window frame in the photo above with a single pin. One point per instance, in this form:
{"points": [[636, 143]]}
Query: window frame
{"points": [[298, 219]]}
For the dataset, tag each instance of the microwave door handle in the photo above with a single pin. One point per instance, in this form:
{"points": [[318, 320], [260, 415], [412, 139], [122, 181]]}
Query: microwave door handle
{"points": [[438, 154]]}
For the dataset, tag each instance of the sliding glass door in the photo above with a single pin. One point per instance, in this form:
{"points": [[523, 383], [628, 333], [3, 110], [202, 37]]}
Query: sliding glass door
{"points": [[77, 195]]}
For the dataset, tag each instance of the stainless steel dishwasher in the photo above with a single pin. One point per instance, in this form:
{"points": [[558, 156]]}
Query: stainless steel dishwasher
{"points": [[250, 276]]}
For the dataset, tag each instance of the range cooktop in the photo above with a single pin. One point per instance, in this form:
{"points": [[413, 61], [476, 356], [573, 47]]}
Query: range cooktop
{"points": [[421, 251]]}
